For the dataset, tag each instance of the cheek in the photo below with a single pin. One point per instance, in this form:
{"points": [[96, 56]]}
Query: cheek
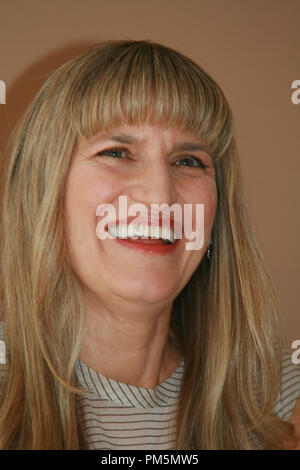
{"points": [[85, 190], [210, 204], [203, 192]]}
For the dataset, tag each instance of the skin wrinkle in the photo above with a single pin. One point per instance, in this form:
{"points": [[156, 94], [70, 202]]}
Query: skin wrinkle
{"points": [[129, 140]]}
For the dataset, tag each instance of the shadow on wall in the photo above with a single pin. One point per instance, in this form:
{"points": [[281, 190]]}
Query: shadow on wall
{"points": [[23, 90]]}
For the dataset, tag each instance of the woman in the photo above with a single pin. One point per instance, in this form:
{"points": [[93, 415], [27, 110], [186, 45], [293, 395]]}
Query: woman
{"points": [[116, 345]]}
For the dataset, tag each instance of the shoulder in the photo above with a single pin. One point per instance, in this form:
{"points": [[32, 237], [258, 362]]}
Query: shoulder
{"points": [[289, 387], [288, 403]]}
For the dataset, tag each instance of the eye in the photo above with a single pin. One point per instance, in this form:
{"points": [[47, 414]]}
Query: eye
{"points": [[120, 153], [192, 161], [113, 152]]}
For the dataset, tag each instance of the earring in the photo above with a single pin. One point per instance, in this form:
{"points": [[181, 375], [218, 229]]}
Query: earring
{"points": [[209, 251]]}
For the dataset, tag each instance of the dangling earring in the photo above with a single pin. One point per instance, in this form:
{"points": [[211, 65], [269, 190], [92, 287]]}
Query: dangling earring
{"points": [[209, 251]]}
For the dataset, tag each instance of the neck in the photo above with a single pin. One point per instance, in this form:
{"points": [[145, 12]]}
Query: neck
{"points": [[130, 343]]}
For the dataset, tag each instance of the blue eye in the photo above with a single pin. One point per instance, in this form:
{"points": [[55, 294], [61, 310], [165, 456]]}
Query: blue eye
{"points": [[121, 153], [114, 152], [191, 161]]}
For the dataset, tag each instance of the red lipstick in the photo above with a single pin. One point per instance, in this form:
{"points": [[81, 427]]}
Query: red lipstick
{"points": [[150, 245]]}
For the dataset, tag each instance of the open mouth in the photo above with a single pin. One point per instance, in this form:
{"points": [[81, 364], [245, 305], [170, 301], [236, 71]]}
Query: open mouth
{"points": [[143, 234]]}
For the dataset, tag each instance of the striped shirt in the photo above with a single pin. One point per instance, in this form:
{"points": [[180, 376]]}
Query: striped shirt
{"points": [[118, 416]]}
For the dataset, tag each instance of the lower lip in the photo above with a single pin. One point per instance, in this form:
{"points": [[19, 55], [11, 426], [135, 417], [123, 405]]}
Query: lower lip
{"points": [[149, 248]]}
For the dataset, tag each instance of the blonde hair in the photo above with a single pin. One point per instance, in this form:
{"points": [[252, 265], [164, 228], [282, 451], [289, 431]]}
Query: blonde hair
{"points": [[226, 318]]}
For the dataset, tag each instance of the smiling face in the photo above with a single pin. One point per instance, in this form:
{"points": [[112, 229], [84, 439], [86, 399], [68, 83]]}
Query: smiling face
{"points": [[148, 165]]}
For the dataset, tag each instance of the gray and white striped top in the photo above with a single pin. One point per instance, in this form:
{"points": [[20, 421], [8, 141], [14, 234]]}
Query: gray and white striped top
{"points": [[120, 416], [117, 416]]}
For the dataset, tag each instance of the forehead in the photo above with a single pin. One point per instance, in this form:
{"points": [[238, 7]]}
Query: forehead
{"points": [[144, 134]]}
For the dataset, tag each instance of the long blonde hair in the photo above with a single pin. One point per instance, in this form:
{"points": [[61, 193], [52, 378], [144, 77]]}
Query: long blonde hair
{"points": [[226, 318]]}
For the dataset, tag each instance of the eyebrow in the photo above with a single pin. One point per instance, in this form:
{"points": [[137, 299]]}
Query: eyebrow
{"points": [[185, 146]]}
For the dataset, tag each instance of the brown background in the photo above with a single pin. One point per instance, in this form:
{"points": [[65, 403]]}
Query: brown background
{"points": [[251, 48]]}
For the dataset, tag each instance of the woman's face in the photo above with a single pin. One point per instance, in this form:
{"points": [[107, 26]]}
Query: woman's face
{"points": [[149, 165]]}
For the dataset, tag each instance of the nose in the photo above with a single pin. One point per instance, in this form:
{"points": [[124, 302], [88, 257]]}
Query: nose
{"points": [[153, 185]]}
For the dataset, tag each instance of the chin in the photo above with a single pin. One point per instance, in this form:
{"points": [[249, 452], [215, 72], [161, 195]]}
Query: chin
{"points": [[157, 291]]}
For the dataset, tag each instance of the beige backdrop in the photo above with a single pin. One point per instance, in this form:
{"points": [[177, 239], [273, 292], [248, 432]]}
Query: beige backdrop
{"points": [[251, 48]]}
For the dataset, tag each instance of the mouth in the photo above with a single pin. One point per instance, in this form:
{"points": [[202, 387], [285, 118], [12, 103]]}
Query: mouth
{"points": [[140, 234], [143, 231]]}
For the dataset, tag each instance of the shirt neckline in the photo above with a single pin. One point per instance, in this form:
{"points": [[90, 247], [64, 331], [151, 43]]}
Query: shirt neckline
{"points": [[105, 388]]}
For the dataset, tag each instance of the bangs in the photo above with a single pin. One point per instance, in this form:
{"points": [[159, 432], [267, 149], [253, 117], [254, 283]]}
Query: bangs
{"points": [[137, 82]]}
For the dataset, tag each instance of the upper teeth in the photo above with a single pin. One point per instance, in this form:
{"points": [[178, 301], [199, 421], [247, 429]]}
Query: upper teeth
{"points": [[145, 231]]}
